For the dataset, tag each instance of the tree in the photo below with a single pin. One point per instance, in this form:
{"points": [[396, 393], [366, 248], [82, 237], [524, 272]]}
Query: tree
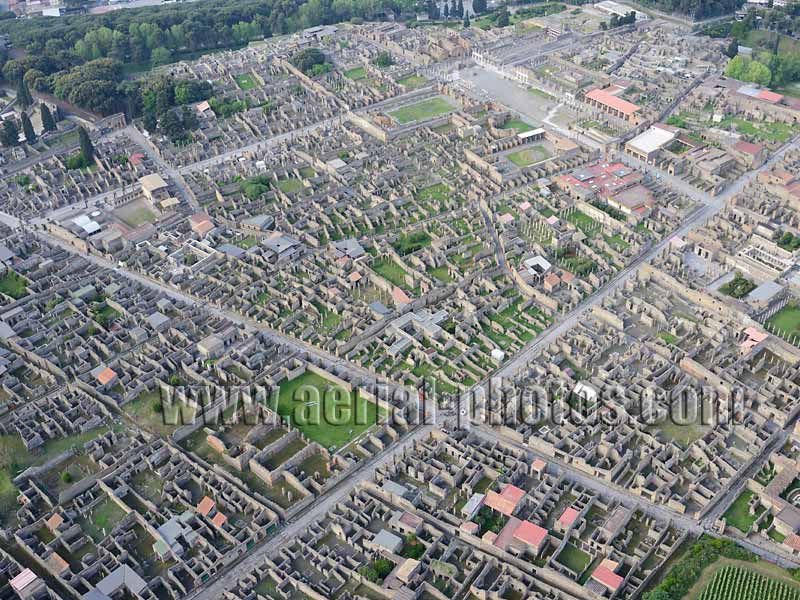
{"points": [[502, 17], [24, 99], [446, 10], [460, 8], [160, 56], [383, 60], [48, 123], [733, 48], [27, 129], [87, 148], [9, 136], [466, 22], [479, 6]]}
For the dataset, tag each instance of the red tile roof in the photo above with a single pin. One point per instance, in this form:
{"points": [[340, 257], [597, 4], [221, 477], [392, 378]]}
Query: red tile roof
{"points": [[400, 296], [206, 506], [568, 517], [219, 519], [530, 534], [768, 96], [106, 375], [603, 97], [792, 541], [748, 148], [607, 577]]}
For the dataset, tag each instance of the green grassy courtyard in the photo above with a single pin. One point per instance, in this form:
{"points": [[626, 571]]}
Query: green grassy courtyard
{"points": [[356, 74], [427, 109], [324, 412], [529, 156], [245, 81], [786, 324], [12, 284]]}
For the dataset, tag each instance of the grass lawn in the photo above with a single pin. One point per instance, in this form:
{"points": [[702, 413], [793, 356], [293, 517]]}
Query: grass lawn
{"points": [[540, 93], [420, 111], [786, 323], [245, 82], [14, 458], [617, 241], [437, 192], [290, 185], [412, 81], [165, 421], [138, 216], [390, 270], [519, 125], [247, 242], [529, 156], [12, 284], [738, 514], [324, 412], [356, 74], [584, 222], [668, 337], [441, 273], [574, 558], [765, 132], [101, 519]]}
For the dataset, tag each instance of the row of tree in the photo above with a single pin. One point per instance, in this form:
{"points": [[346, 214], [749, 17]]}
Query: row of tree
{"points": [[9, 133]]}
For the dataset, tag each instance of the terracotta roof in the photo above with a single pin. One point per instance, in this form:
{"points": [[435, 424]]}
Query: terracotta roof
{"points": [[512, 492], [552, 279], [538, 464], [768, 96], [530, 534], [469, 527], [219, 519], [502, 505], [607, 577], [354, 276], [506, 501], [206, 506], [748, 147], [399, 296], [56, 563], [106, 375], [55, 521], [603, 97], [792, 541], [568, 517]]}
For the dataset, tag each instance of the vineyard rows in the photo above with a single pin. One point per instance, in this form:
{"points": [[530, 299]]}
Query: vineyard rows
{"points": [[736, 583]]}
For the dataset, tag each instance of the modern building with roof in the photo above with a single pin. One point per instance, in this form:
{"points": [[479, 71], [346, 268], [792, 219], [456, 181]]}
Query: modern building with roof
{"points": [[607, 101]]}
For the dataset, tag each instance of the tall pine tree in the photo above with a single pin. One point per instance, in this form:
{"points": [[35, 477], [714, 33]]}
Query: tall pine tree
{"points": [[9, 135], [87, 148], [27, 129], [48, 123], [24, 98]]}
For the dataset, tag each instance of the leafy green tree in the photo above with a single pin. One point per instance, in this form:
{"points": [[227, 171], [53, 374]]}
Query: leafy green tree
{"points": [[466, 22], [383, 60], [27, 129], [305, 60], [160, 56], [479, 6], [48, 123]]}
